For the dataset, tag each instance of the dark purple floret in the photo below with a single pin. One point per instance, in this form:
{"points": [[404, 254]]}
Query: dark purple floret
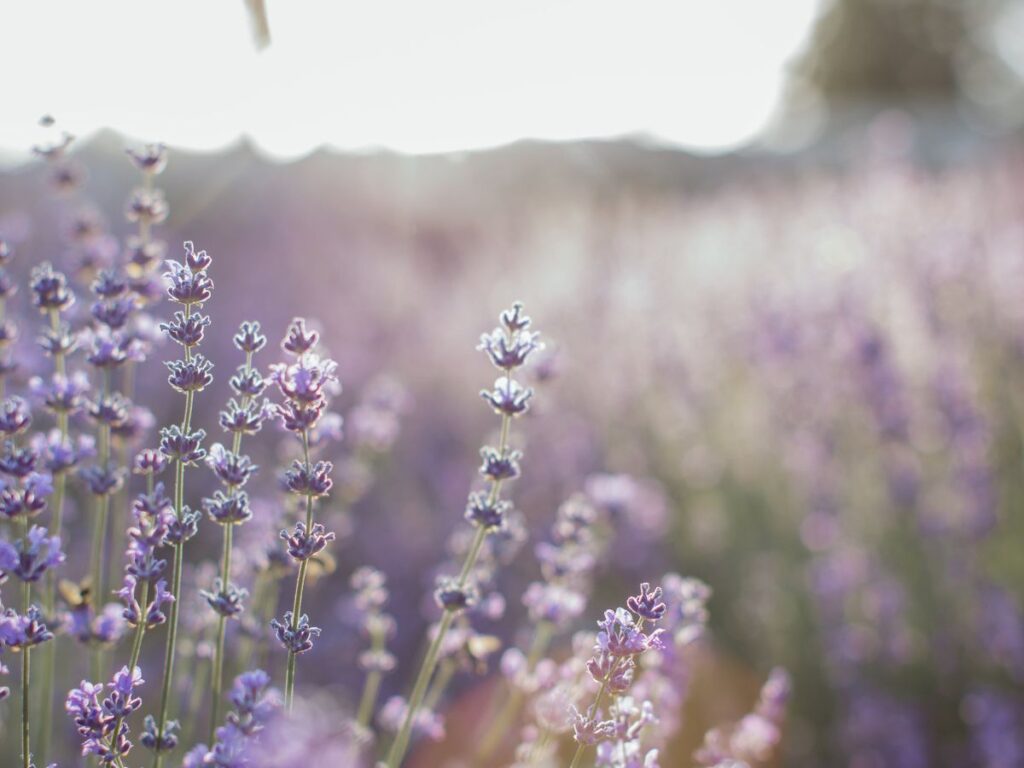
{"points": [[28, 498], [302, 545], [23, 630], [114, 313], [62, 341], [149, 462], [298, 340], [249, 338], [509, 397], [304, 381], [299, 639], [103, 481], [312, 481], [248, 382], [247, 419], [151, 736], [508, 351], [197, 261], [486, 513], [184, 447], [450, 596], [62, 394], [187, 331], [225, 601], [50, 289], [150, 159], [62, 454], [107, 350], [27, 559], [298, 418], [187, 287], [15, 416], [146, 205], [18, 462], [111, 409], [231, 468], [191, 375], [109, 284], [648, 603], [499, 466], [228, 508], [513, 319], [184, 528]]}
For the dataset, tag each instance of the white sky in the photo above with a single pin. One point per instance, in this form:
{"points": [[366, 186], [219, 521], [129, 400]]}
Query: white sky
{"points": [[416, 76]]}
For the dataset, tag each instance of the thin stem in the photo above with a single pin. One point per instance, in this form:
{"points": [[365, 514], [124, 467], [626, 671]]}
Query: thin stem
{"points": [[225, 575], [444, 676], [300, 585], [26, 754], [50, 598], [218, 658], [99, 531], [172, 619], [401, 742]]}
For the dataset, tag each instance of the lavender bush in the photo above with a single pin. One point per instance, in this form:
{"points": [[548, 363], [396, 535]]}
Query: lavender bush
{"points": [[831, 443]]}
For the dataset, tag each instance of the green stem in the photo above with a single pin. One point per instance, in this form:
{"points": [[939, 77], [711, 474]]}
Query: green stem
{"points": [[26, 753], [50, 598], [99, 531], [218, 658], [371, 688], [225, 575], [179, 554], [401, 742], [300, 585]]}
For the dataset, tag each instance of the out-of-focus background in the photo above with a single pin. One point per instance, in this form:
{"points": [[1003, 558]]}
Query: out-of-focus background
{"points": [[777, 251]]}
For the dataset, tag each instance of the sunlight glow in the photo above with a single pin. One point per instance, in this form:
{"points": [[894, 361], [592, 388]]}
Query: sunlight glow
{"points": [[410, 76]]}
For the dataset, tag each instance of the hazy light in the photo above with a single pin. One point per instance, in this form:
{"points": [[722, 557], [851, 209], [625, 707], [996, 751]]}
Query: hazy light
{"points": [[412, 76]]}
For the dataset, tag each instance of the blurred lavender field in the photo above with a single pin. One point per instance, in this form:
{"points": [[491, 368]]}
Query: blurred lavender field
{"points": [[801, 382]]}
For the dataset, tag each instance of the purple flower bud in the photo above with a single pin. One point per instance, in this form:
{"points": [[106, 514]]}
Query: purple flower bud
{"points": [[228, 508], [508, 398], [50, 289], [187, 331], [232, 469], [30, 557], [648, 603], [15, 416], [247, 419], [298, 341], [314, 481], [180, 446], [498, 466], [225, 600], [303, 544], [191, 375], [197, 261], [451, 596], [299, 639], [249, 338], [146, 205], [185, 286], [482, 512], [150, 159], [149, 462]]}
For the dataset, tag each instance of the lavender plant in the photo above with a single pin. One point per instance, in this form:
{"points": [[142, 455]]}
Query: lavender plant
{"points": [[508, 347]]}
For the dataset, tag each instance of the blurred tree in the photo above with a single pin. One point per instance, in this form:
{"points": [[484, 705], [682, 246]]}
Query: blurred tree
{"points": [[880, 53]]}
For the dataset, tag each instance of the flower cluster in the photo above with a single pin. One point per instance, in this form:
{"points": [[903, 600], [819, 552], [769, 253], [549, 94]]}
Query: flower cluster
{"points": [[304, 384], [101, 720]]}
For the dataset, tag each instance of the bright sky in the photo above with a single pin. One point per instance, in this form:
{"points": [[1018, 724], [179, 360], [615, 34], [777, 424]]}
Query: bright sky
{"points": [[415, 76]]}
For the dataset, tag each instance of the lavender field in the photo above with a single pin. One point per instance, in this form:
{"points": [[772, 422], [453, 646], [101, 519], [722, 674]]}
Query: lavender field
{"points": [[743, 487]]}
